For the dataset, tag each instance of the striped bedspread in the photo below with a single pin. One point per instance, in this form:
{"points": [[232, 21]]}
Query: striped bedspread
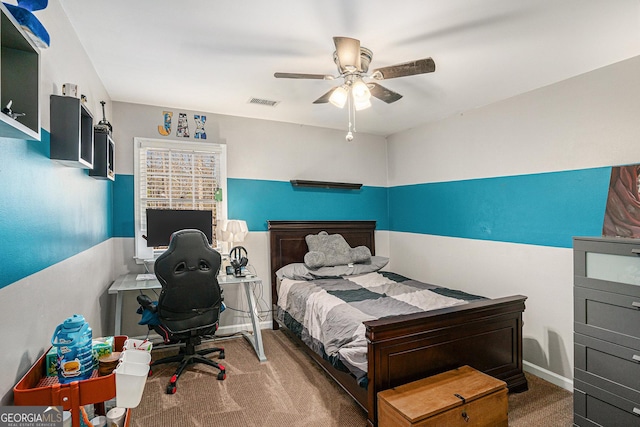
{"points": [[327, 314]]}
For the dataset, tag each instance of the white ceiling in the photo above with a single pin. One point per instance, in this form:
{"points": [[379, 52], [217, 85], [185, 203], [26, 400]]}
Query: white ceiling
{"points": [[213, 56]]}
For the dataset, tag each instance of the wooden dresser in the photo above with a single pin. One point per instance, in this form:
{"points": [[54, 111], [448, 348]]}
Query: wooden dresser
{"points": [[460, 397], [606, 331]]}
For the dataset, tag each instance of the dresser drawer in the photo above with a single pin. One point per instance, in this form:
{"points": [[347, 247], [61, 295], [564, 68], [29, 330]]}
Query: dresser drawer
{"points": [[594, 405], [607, 316], [612, 265], [608, 366]]}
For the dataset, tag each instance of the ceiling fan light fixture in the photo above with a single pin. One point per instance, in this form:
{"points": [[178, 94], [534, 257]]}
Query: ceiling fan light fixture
{"points": [[339, 96], [361, 95], [353, 62], [361, 104], [360, 90]]}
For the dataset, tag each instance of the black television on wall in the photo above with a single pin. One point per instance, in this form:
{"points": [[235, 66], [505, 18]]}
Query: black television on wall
{"points": [[162, 223]]}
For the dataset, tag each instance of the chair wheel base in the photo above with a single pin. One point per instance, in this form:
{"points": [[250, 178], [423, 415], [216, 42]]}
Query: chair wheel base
{"points": [[188, 357]]}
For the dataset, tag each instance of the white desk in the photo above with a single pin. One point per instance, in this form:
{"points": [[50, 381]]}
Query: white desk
{"points": [[128, 282]]}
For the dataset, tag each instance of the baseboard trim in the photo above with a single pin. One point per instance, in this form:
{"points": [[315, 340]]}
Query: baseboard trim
{"points": [[549, 376]]}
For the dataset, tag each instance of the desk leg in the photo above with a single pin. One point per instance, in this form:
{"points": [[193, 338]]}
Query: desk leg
{"points": [[118, 320], [256, 338]]}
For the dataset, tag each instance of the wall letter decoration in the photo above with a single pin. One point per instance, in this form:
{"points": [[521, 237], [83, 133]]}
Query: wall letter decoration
{"points": [[165, 129], [183, 126], [200, 132]]}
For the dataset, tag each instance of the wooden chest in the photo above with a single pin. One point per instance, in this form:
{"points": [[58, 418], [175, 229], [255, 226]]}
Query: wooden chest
{"points": [[461, 397]]}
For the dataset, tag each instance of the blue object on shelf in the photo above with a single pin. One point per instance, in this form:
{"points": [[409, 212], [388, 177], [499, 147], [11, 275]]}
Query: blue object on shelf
{"points": [[28, 21]]}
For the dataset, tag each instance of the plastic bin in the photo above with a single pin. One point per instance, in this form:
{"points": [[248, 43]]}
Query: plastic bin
{"points": [[133, 344], [133, 356], [130, 381]]}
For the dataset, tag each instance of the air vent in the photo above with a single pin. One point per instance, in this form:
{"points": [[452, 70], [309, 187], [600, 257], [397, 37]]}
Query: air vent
{"points": [[266, 102]]}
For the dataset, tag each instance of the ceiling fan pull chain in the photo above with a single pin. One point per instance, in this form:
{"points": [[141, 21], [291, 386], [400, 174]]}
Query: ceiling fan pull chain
{"points": [[349, 111], [354, 116], [349, 136]]}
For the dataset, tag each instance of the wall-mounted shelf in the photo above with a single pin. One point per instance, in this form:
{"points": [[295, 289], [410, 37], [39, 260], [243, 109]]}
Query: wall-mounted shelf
{"points": [[19, 80], [103, 156], [71, 132], [325, 184]]}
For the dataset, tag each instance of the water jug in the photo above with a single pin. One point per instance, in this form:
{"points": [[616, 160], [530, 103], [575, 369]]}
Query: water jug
{"points": [[72, 339]]}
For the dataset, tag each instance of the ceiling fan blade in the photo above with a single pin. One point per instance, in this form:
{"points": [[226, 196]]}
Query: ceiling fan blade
{"points": [[410, 68], [302, 76], [383, 93], [348, 53], [325, 98]]}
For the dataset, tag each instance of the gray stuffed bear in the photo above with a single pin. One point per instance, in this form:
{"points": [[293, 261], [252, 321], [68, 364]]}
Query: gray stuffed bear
{"points": [[327, 250]]}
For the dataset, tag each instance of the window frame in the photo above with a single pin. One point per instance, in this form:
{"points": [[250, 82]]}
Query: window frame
{"points": [[141, 251]]}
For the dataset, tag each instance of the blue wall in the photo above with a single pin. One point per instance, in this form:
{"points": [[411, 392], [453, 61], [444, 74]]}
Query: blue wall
{"points": [[539, 209], [257, 201], [123, 206], [48, 212]]}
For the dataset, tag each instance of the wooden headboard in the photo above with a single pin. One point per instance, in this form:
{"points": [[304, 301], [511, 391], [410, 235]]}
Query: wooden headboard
{"points": [[287, 243]]}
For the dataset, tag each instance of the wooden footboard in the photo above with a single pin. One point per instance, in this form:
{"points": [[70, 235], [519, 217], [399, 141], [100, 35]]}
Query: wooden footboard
{"points": [[484, 334]]}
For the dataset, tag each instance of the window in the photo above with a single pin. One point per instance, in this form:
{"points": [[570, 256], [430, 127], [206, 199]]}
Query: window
{"points": [[177, 175]]}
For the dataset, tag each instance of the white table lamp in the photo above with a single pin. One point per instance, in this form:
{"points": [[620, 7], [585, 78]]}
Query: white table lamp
{"points": [[231, 231]]}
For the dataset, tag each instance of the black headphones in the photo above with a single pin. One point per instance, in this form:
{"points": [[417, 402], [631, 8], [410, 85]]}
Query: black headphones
{"points": [[238, 259]]}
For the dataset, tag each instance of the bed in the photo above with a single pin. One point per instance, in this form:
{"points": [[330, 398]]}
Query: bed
{"points": [[485, 333]]}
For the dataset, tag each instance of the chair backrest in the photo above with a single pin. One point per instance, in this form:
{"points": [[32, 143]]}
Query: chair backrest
{"points": [[191, 297]]}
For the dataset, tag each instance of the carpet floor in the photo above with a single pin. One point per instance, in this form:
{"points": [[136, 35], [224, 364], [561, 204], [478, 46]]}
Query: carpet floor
{"points": [[289, 389]]}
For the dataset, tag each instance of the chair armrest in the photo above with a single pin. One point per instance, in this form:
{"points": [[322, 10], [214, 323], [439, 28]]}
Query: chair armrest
{"points": [[146, 303]]}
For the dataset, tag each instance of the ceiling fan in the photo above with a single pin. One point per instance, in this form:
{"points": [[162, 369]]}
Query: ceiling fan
{"points": [[353, 61]]}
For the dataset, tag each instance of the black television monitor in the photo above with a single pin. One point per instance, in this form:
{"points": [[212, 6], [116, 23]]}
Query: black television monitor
{"points": [[162, 223]]}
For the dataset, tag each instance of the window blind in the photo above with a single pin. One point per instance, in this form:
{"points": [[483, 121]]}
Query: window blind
{"points": [[172, 176]]}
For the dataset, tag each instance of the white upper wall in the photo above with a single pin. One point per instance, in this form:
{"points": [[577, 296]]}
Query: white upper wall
{"points": [[261, 149], [584, 122]]}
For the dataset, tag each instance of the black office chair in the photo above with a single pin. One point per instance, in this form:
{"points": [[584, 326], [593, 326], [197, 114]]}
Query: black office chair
{"points": [[189, 304]]}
